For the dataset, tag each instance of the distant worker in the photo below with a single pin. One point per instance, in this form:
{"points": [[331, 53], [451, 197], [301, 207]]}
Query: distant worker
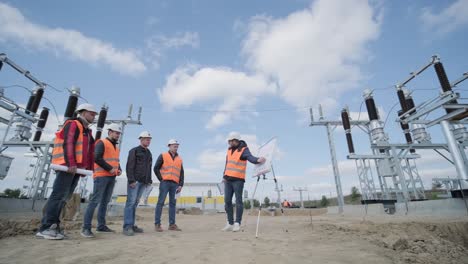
{"points": [[234, 178], [74, 148], [286, 203], [138, 169], [106, 168], [170, 172]]}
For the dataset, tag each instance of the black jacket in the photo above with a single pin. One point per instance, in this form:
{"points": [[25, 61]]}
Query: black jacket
{"points": [[139, 164]]}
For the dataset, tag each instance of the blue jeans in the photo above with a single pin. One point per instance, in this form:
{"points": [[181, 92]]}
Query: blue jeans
{"points": [[64, 186], [230, 188], [102, 193], [133, 197], [164, 188]]}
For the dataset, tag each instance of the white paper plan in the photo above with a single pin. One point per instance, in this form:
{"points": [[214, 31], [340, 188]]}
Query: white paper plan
{"points": [[267, 151]]}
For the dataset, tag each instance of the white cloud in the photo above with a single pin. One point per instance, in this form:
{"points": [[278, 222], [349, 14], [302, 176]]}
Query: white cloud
{"points": [[314, 54], [18, 29], [447, 20], [157, 45], [229, 90], [212, 160]]}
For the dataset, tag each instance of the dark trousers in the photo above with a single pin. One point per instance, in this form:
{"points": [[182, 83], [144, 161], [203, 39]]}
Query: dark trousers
{"points": [[231, 188], [102, 194], [64, 186], [165, 188]]}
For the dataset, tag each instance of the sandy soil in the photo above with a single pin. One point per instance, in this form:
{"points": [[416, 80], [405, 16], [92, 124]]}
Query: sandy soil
{"points": [[282, 239]]}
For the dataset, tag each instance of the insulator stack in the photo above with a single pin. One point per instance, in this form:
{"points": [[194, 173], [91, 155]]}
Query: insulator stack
{"points": [[376, 127], [101, 122], [406, 130], [41, 124], [347, 128], [371, 109], [402, 99], [30, 102], [410, 104], [72, 103], [444, 82], [37, 100]]}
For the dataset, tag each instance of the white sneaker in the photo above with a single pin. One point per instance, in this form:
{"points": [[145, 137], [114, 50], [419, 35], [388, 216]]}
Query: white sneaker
{"points": [[228, 227], [50, 233], [236, 227]]}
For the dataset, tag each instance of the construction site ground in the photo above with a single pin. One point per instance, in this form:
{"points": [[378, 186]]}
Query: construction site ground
{"points": [[298, 236]]}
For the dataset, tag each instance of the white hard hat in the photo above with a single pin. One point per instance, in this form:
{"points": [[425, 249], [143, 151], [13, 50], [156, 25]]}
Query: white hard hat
{"points": [[86, 107], [234, 135], [114, 127], [145, 134], [173, 142]]}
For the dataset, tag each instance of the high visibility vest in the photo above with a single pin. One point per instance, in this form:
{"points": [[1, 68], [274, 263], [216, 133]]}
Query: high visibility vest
{"points": [[170, 170], [285, 204], [58, 153], [111, 156], [235, 167]]}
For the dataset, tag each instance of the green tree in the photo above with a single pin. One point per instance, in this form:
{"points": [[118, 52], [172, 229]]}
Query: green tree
{"points": [[12, 193], [324, 202], [355, 195], [247, 204], [266, 201], [256, 203]]}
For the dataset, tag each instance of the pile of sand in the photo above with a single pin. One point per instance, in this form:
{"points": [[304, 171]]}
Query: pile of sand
{"points": [[411, 242]]}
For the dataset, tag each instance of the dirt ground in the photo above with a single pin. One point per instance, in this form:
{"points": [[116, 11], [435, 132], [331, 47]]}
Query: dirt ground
{"points": [[312, 237]]}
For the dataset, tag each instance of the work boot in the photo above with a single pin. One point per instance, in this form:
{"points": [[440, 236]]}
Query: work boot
{"points": [[85, 232], [174, 227], [236, 227], [128, 231], [104, 229], [228, 227], [136, 229], [158, 228]]}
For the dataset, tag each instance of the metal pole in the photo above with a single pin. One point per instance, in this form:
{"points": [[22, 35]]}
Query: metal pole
{"points": [[336, 172], [455, 151], [302, 201], [253, 195], [276, 186]]}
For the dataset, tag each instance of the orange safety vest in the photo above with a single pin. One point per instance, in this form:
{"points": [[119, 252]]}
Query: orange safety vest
{"points": [[111, 156], [170, 170], [235, 167], [285, 204], [58, 154]]}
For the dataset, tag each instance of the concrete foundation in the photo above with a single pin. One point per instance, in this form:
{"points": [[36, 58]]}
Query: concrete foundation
{"points": [[445, 207], [10, 205]]}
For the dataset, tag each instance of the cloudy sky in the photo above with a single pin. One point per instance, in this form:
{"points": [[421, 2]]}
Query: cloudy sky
{"points": [[201, 69]]}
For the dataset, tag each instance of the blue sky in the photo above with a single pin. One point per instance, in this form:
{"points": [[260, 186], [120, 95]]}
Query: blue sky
{"points": [[201, 69]]}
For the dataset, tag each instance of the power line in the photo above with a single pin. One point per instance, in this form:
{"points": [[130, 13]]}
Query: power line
{"points": [[53, 107], [388, 115], [243, 111], [16, 85], [51, 86]]}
